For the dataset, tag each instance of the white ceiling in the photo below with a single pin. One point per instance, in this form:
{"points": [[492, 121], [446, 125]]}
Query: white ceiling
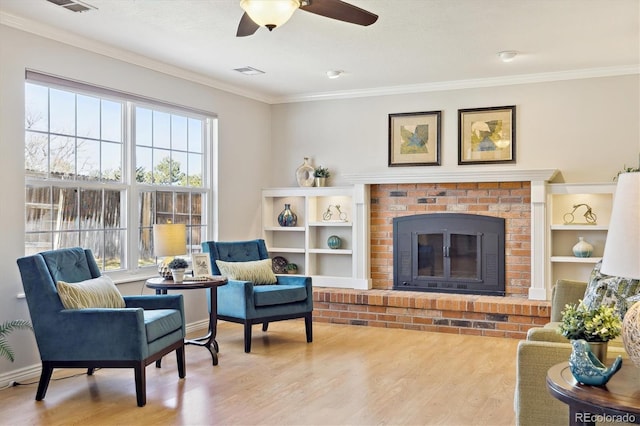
{"points": [[415, 45]]}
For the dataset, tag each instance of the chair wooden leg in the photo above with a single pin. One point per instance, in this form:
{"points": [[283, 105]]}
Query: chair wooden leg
{"points": [[308, 326], [141, 384], [265, 325], [45, 377], [181, 365], [247, 337]]}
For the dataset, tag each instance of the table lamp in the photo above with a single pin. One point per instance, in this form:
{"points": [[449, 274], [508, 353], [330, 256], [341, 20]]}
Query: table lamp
{"points": [[622, 252], [169, 240]]}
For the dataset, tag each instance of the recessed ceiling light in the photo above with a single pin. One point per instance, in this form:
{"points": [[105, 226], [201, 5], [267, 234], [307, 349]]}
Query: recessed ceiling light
{"points": [[334, 73], [249, 71], [507, 55]]}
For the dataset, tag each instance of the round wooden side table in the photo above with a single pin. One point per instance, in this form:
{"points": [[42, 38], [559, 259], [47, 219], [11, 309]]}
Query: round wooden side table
{"points": [[208, 341], [617, 401]]}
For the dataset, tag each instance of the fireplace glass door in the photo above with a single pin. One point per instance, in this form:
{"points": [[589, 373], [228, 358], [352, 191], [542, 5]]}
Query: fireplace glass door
{"points": [[445, 255]]}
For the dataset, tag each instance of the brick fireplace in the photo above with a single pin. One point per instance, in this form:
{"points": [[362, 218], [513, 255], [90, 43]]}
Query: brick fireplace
{"points": [[510, 201], [518, 196]]}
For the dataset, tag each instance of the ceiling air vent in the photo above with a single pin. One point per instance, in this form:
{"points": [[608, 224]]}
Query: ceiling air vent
{"points": [[248, 70], [73, 5]]}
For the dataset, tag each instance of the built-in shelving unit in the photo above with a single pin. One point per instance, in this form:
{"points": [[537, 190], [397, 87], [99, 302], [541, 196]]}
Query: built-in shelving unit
{"points": [[563, 236], [306, 243]]}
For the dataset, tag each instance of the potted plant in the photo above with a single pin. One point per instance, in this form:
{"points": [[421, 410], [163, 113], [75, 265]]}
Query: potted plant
{"points": [[596, 326], [5, 329], [292, 268], [178, 266], [321, 174]]}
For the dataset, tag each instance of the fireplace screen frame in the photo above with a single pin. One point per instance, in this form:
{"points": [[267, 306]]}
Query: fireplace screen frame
{"points": [[489, 234]]}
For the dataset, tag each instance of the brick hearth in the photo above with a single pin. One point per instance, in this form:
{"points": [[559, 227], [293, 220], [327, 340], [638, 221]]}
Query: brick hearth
{"points": [[510, 316], [446, 313]]}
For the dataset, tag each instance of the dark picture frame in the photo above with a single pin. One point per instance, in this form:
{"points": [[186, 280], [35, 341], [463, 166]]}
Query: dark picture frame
{"points": [[487, 135], [414, 139]]}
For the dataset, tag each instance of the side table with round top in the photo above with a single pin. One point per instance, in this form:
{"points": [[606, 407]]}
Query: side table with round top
{"points": [[161, 286], [617, 401]]}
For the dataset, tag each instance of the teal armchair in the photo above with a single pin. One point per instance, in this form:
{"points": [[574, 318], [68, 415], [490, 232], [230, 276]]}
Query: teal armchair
{"points": [[148, 328], [245, 303]]}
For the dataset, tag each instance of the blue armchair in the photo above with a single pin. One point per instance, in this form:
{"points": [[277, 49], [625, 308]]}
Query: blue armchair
{"points": [[148, 328], [245, 303]]}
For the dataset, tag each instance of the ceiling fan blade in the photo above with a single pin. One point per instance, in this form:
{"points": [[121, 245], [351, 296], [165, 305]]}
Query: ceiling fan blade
{"points": [[246, 27], [337, 9]]}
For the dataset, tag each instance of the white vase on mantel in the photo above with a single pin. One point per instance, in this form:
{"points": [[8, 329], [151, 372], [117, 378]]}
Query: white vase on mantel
{"points": [[582, 248]]}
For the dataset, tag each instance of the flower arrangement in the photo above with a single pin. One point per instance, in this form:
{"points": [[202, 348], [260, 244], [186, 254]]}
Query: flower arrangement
{"points": [[178, 263], [593, 325], [321, 172]]}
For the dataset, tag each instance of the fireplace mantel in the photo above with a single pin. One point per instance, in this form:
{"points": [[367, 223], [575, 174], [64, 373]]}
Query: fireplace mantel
{"points": [[539, 179], [421, 175]]}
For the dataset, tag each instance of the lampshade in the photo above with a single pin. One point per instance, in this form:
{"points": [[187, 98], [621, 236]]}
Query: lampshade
{"points": [[169, 239], [622, 253], [622, 249], [269, 13]]}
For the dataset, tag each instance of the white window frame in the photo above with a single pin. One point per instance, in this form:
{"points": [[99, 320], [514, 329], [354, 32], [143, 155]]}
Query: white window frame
{"points": [[132, 189]]}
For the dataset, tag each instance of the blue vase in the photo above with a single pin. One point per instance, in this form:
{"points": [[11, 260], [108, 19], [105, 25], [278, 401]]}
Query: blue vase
{"points": [[334, 242], [287, 217]]}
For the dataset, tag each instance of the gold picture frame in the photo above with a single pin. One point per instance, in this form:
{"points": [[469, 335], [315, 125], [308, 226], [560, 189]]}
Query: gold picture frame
{"points": [[414, 139], [487, 135]]}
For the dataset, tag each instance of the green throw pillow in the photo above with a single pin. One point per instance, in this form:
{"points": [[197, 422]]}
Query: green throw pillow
{"points": [[610, 291], [98, 292], [257, 271]]}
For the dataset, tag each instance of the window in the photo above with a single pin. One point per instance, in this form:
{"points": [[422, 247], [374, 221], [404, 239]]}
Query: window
{"points": [[103, 167]]}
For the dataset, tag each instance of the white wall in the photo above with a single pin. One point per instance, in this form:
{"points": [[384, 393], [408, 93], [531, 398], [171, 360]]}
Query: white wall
{"points": [[588, 129], [242, 152]]}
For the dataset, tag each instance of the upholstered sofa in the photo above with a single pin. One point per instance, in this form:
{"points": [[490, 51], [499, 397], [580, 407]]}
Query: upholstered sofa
{"points": [[543, 348]]}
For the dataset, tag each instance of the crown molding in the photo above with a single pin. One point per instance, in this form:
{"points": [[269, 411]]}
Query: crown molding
{"points": [[66, 37], [71, 39], [467, 84]]}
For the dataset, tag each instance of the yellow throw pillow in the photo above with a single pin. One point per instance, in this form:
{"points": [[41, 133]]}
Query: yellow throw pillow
{"points": [[99, 292], [257, 271]]}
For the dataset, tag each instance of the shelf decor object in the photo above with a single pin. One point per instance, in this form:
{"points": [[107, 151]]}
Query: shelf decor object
{"points": [[589, 215], [582, 248], [622, 252], [304, 174], [287, 217], [487, 135], [414, 139], [327, 215], [334, 242], [321, 174]]}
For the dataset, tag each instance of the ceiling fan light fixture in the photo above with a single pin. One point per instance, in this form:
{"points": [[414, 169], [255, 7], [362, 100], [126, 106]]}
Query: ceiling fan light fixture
{"points": [[269, 13]]}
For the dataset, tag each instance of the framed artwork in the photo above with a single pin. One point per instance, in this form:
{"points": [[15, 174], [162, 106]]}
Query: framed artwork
{"points": [[201, 264], [414, 139], [487, 135]]}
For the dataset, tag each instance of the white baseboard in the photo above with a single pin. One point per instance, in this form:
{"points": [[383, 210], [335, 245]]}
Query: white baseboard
{"points": [[25, 374]]}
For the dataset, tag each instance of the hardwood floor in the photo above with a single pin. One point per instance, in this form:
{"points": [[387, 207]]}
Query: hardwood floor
{"points": [[349, 375]]}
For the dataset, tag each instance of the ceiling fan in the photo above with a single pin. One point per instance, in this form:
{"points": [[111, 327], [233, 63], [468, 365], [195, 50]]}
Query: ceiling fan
{"points": [[273, 13]]}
